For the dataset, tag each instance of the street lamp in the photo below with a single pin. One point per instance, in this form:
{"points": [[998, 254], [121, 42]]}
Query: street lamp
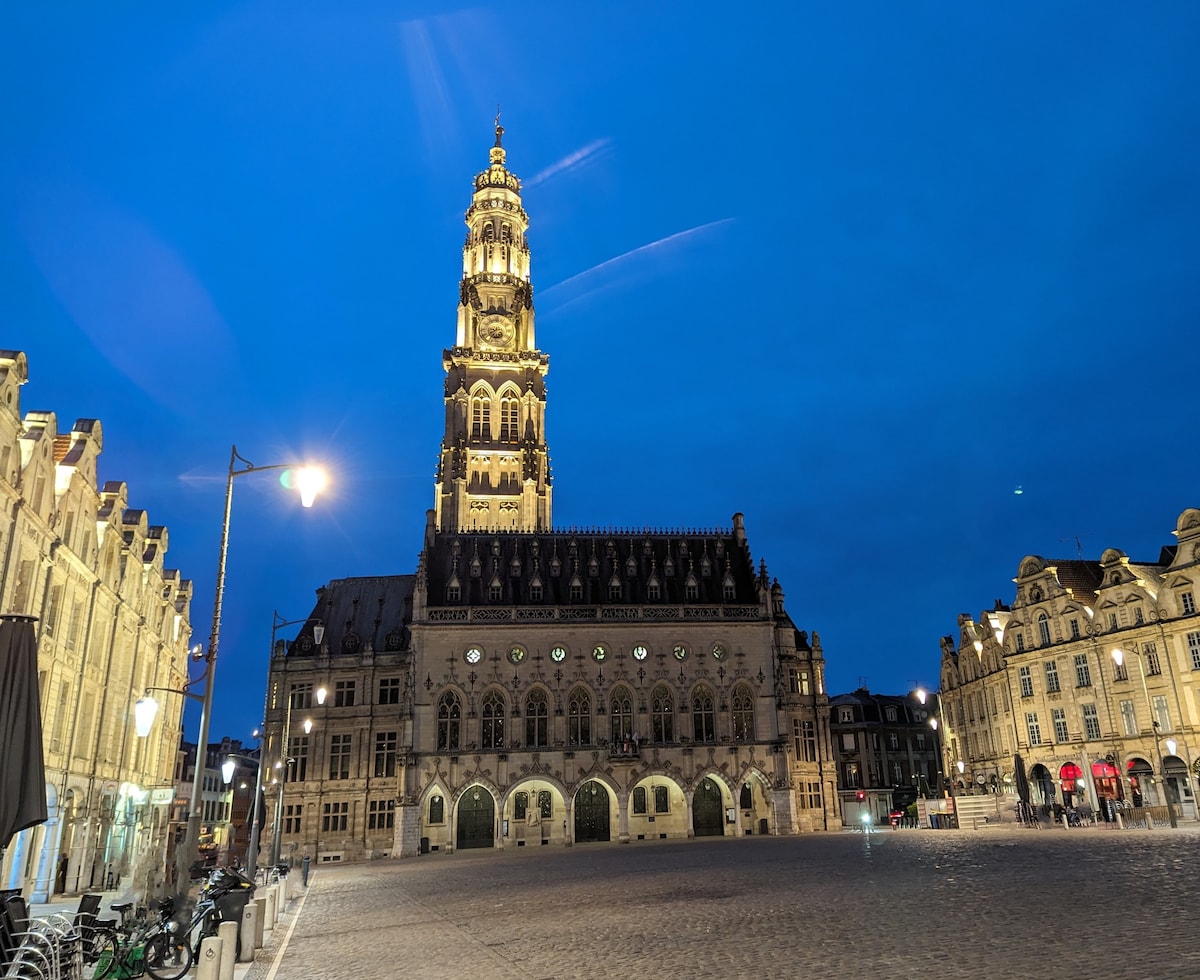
{"points": [[281, 764], [1119, 658], [309, 481]]}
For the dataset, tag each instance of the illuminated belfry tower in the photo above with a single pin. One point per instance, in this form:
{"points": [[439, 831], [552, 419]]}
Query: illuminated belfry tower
{"points": [[494, 468]]}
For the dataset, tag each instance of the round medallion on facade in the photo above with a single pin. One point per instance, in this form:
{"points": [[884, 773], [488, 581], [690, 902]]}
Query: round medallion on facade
{"points": [[719, 652], [516, 655], [680, 651], [473, 655], [599, 652], [640, 652], [558, 655]]}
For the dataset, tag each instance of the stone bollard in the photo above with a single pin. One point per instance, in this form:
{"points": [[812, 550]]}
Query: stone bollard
{"points": [[260, 920], [208, 964], [1120, 822], [249, 932], [270, 920], [227, 932], [289, 887]]}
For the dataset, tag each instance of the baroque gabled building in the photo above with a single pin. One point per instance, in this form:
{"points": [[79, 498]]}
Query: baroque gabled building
{"points": [[536, 686], [112, 620], [1092, 675]]}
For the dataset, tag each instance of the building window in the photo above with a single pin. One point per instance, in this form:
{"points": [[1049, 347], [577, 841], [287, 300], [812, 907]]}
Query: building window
{"points": [[300, 696], [381, 814], [845, 715], [389, 690], [1188, 603], [848, 742], [1193, 642], [920, 741], [653, 591], [727, 593], [1026, 682], [1112, 621], [893, 741], [804, 734], [292, 815], [579, 718], [576, 591], [1091, 723], [449, 721], [492, 711], [639, 799], [481, 425], [520, 806], [437, 810], [1162, 717], [1020, 643], [1074, 626], [343, 694], [1052, 676], [298, 757], [890, 714], [620, 713], [536, 719], [385, 753], [1138, 618], [545, 804], [1120, 671], [1044, 629], [743, 715], [746, 797], [508, 420], [852, 778], [1128, 718], [1035, 731], [661, 799], [662, 716], [339, 756], [335, 817], [1153, 666], [704, 726], [1083, 673]]}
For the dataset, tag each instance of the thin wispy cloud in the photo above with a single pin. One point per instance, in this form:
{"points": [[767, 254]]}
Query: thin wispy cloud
{"points": [[572, 161], [663, 245]]}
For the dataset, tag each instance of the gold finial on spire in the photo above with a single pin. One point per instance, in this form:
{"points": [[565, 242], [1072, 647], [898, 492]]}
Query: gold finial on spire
{"points": [[499, 128]]}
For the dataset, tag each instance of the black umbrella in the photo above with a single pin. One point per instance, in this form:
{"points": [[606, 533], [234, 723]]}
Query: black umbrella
{"points": [[22, 765], [1021, 779]]}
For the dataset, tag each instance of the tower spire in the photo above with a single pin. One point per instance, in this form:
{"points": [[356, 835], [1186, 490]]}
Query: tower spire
{"points": [[494, 468]]}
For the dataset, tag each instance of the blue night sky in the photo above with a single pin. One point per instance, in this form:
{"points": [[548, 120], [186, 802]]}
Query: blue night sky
{"points": [[858, 271]]}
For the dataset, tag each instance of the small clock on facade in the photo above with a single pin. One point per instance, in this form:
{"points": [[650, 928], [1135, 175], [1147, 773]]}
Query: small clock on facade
{"points": [[496, 331]]}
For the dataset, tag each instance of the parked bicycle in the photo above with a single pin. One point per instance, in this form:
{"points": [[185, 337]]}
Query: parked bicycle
{"points": [[140, 942]]}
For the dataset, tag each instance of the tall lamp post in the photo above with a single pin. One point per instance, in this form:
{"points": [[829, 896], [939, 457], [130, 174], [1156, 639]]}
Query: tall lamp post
{"points": [[1119, 658], [284, 761], [309, 481]]}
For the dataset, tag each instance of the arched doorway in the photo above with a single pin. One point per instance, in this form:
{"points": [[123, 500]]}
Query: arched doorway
{"points": [[592, 806], [1041, 782], [1141, 782], [708, 812], [1070, 777], [476, 819], [1178, 786], [1108, 788]]}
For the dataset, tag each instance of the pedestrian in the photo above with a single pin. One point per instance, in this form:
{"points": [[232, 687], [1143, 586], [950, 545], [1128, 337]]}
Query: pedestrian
{"points": [[304, 870]]}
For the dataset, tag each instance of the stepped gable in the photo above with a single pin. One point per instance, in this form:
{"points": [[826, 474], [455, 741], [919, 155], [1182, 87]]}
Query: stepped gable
{"points": [[611, 567]]}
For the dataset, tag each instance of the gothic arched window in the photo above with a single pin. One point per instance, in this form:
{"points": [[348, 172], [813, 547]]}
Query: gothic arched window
{"points": [[1044, 629], [621, 713], [579, 717], [536, 719], [481, 416], [509, 419], [743, 715], [704, 726], [662, 715], [492, 711], [449, 721]]}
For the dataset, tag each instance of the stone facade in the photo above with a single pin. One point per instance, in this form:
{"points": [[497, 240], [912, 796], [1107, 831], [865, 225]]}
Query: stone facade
{"points": [[112, 621], [1039, 679], [530, 686]]}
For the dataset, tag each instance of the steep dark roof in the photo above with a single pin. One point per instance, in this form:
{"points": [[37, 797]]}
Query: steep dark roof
{"points": [[596, 560], [1081, 578], [357, 612]]}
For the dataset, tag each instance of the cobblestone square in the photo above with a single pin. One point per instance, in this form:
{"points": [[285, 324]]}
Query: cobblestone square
{"points": [[1000, 903]]}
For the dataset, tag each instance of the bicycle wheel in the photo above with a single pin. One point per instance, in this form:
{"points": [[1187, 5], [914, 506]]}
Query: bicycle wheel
{"points": [[100, 947], [167, 957]]}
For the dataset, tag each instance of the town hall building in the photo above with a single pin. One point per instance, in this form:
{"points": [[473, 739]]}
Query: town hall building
{"points": [[530, 685]]}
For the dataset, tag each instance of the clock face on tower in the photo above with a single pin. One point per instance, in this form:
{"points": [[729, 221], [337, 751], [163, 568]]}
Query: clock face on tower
{"points": [[496, 331]]}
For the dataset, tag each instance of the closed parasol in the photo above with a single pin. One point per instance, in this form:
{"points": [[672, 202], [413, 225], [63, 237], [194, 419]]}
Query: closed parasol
{"points": [[22, 765]]}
